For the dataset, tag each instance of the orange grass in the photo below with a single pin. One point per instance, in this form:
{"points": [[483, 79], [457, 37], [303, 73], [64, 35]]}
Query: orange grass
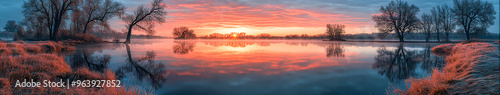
{"points": [[40, 61], [16, 48], [472, 68]]}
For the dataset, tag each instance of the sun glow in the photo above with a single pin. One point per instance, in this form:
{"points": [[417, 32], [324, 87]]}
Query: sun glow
{"points": [[229, 30]]}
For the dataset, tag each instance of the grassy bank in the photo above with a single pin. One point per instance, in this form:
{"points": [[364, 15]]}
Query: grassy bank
{"points": [[409, 41], [472, 68], [43, 61]]}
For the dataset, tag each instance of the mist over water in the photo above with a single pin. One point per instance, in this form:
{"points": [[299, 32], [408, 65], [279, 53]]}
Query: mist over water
{"points": [[168, 66], [6, 38]]}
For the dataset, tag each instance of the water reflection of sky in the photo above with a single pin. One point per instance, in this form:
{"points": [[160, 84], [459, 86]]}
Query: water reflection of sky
{"points": [[265, 67]]}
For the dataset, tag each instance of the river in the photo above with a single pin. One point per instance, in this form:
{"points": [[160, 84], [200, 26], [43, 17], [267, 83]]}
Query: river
{"points": [[250, 67]]}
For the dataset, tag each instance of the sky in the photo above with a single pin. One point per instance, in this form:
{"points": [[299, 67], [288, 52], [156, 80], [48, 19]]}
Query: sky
{"points": [[276, 17]]}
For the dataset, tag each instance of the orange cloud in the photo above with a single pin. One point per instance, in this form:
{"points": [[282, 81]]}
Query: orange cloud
{"points": [[207, 17]]}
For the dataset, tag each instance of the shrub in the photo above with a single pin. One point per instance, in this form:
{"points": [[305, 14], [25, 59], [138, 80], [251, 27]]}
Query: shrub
{"points": [[87, 38], [49, 46], [32, 48], [472, 41], [443, 50], [116, 40]]}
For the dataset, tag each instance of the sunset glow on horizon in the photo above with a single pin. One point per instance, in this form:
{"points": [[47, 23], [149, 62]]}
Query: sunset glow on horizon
{"points": [[249, 47], [278, 18], [206, 17]]}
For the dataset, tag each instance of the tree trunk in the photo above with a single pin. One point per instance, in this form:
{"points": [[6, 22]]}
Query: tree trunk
{"points": [[437, 33], [183, 36], [467, 30], [50, 34], [427, 36], [127, 41], [400, 36], [85, 28], [401, 39], [129, 54], [467, 33], [447, 36], [56, 30], [135, 64]]}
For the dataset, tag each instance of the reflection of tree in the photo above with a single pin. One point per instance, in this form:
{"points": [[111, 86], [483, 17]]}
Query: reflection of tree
{"points": [[239, 43], [83, 56], [144, 68], [263, 44], [334, 50], [396, 65], [84, 59], [292, 43], [430, 61], [182, 47], [304, 44], [229, 43]]}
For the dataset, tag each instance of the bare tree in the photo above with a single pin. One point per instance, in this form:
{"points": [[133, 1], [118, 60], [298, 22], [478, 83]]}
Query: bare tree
{"points": [[427, 23], [304, 36], [264, 35], [53, 11], [100, 11], [215, 35], [36, 24], [447, 19], [78, 21], [472, 14], [437, 21], [397, 16], [19, 35], [11, 26], [150, 34], [183, 33], [145, 18], [335, 31]]}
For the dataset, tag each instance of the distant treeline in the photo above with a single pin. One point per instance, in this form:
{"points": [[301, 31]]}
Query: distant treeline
{"points": [[470, 18], [362, 36], [123, 35]]}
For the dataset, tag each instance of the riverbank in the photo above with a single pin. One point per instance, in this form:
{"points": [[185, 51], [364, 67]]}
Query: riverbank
{"points": [[472, 68], [411, 41], [44, 61]]}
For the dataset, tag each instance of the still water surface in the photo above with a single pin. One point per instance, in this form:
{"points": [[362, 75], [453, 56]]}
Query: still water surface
{"points": [[284, 67]]}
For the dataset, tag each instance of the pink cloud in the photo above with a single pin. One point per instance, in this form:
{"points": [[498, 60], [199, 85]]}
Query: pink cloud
{"points": [[206, 17]]}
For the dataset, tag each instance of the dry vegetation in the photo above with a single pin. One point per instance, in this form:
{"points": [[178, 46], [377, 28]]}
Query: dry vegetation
{"points": [[75, 39], [40, 61], [472, 68], [20, 48]]}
